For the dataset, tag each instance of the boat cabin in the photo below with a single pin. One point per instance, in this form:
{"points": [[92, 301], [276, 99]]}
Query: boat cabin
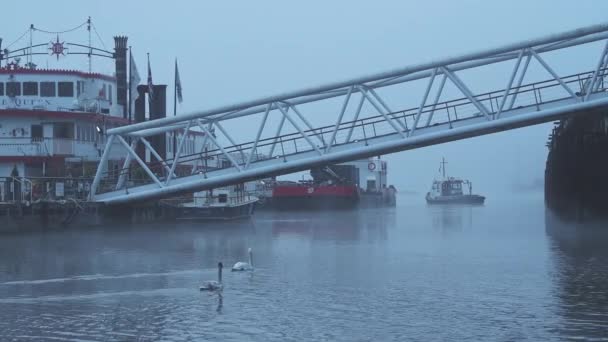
{"points": [[449, 187]]}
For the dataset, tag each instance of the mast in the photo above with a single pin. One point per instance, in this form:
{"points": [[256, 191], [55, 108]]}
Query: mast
{"points": [[129, 80], [175, 108], [443, 162], [90, 54], [29, 55]]}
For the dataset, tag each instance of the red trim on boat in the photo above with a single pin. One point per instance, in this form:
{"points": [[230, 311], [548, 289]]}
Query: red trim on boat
{"points": [[44, 114], [23, 71], [30, 159]]}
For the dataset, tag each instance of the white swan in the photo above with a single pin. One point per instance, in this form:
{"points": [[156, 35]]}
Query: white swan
{"points": [[213, 285], [243, 266]]}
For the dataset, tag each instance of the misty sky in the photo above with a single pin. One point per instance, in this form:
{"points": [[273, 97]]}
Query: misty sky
{"points": [[235, 51]]}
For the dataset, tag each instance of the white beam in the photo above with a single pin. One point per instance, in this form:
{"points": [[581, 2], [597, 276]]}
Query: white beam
{"points": [[510, 84], [339, 121], [591, 86], [178, 152], [439, 91], [140, 162], [465, 90], [386, 118], [125, 167], [423, 102], [357, 112], [220, 147], [553, 73], [574, 35], [100, 167], [258, 135], [297, 127], [155, 154]]}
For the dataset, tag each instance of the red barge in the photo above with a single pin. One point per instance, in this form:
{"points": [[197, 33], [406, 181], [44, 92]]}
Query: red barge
{"points": [[352, 185]]}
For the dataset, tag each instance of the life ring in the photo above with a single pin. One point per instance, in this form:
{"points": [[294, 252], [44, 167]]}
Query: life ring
{"points": [[371, 166]]}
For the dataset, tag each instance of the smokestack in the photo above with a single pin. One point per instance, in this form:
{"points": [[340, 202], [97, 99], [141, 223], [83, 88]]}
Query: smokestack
{"points": [[140, 115], [158, 110], [120, 56]]}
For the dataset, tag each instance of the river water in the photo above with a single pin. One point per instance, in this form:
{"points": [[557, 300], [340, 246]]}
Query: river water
{"points": [[498, 272]]}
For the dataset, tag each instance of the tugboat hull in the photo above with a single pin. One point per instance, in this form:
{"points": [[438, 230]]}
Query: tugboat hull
{"points": [[218, 213], [464, 199]]}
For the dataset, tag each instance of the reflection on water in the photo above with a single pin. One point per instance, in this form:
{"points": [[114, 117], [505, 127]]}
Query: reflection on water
{"points": [[496, 272], [340, 225], [451, 217], [580, 255]]}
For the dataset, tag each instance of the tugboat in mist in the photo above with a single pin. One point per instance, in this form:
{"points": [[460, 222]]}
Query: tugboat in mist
{"points": [[449, 190]]}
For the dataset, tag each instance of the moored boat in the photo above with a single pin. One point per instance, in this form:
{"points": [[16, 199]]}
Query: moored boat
{"points": [[449, 190], [229, 203]]}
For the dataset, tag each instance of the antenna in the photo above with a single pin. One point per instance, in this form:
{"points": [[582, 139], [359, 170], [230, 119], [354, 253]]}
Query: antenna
{"points": [[29, 56], [90, 54]]}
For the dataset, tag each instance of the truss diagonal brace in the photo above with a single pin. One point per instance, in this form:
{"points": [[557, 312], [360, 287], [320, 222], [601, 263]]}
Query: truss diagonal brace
{"points": [[140, 162], [178, 153], [384, 115], [385, 106], [125, 166], [357, 112], [155, 154], [205, 139], [310, 127], [306, 137], [339, 121], [204, 129], [465, 90], [276, 136], [591, 86], [225, 133], [510, 84], [423, 102], [520, 81], [102, 162], [554, 74], [439, 91], [258, 135]]}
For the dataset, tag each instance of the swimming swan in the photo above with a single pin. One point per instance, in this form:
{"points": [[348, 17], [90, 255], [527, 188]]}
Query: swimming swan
{"points": [[243, 266], [213, 285]]}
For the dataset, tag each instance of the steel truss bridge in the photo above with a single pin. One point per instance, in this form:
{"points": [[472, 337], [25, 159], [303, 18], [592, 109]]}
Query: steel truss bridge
{"points": [[354, 119]]}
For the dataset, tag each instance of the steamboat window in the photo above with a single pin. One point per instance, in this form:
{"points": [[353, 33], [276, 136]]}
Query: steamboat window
{"points": [[47, 89], [1, 89], [66, 89], [36, 132], [79, 88], [13, 89], [30, 88]]}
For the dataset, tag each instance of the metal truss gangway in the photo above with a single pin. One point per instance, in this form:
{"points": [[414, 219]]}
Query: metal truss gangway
{"points": [[353, 119]]}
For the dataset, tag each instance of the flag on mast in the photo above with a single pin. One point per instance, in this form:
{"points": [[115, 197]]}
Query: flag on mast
{"points": [[134, 78], [150, 84], [178, 84]]}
